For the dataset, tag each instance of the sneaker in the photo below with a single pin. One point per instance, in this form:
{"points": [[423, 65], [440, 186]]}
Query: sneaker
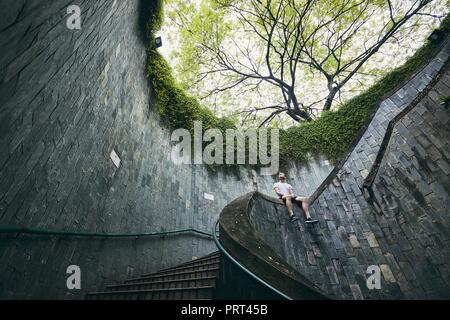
{"points": [[293, 218], [310, 220]]}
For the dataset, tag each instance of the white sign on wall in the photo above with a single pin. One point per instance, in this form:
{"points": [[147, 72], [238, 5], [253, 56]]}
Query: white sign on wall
{"points": [[115, 158], [209, 196]]}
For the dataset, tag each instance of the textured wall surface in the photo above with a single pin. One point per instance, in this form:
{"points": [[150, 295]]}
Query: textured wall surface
{"points": [[67, 99], [402, 225]]}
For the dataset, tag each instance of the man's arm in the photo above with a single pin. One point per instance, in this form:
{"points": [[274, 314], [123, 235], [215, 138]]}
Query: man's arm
{"points": [[277, 191], [291, 190]]}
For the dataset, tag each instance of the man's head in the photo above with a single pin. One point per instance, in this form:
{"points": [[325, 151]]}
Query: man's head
{"points": [[282, 177]]}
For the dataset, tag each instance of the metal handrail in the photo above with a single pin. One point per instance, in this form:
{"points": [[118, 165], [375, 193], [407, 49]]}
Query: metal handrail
{"points": [[242, 267], [35, 231]]}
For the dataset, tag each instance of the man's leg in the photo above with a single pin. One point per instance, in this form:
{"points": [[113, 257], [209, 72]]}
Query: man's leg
{"points": [[289, 205], [305, 206]]}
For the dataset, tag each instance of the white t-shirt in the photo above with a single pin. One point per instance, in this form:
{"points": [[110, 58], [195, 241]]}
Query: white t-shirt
{"points": [[284, 188]]}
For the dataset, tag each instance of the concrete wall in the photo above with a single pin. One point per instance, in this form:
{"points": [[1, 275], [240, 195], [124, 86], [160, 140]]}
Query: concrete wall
{"points": [[67, 99], [402, 225]]}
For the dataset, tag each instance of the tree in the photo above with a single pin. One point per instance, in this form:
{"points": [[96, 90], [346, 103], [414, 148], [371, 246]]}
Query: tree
{"points": [[251, 45]]}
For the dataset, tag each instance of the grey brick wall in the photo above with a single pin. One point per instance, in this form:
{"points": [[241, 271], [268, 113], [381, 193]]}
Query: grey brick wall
{"points": [[404, 228], [67, 99]]}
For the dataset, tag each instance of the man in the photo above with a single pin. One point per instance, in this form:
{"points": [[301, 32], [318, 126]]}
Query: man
{"points": [[285, 192]]}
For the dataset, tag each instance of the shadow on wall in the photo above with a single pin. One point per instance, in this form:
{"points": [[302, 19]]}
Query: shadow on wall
{"points": [[144, 16]]}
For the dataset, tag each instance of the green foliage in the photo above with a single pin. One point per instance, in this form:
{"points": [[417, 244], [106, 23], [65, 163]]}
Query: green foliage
{"points": [[332, 133], [156, 15], [176, 107], [202, 23], [329, 135], [445, 101]]}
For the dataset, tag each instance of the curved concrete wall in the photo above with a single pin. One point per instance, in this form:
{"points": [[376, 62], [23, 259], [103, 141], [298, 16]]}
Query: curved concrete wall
{"points": [[68, 98], [404, 228]]}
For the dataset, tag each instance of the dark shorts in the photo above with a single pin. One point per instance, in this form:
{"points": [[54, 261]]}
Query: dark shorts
{"points": [[293, 198]]}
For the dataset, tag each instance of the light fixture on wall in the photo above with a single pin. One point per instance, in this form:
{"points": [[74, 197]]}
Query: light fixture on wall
{"points": [[157, 42]]}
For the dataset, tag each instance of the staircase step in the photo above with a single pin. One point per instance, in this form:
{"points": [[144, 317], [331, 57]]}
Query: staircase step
{"points": [[205, 272], [166, 284], [209, 255], [184, 268], [188, 293], [215, 254], [190, 280], [191, 263]]}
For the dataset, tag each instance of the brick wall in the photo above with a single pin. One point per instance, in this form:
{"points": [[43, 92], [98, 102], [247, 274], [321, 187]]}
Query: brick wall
{"points": [[67, 99], [401, 223]]}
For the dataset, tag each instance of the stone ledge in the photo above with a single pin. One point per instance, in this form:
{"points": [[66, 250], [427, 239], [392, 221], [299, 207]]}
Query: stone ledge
{"points": [[242, 241]]}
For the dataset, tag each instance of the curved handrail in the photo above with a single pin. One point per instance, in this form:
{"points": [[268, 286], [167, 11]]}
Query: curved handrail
{"points": [[35, 231], [242, 267]]}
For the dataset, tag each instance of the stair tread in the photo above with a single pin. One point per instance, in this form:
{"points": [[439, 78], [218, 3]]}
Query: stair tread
{"points": [[160, 281], [181, 268], [208, 256], [191, 263], [215, 253], [156, 275], [150, 290], [204, 258]]}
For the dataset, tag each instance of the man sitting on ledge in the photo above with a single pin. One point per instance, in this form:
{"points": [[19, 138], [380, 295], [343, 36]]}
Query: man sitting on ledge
{"points": [[286, 193]]}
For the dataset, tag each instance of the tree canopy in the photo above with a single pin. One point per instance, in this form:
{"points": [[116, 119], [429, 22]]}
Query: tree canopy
{"points": [[263, 60]]}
